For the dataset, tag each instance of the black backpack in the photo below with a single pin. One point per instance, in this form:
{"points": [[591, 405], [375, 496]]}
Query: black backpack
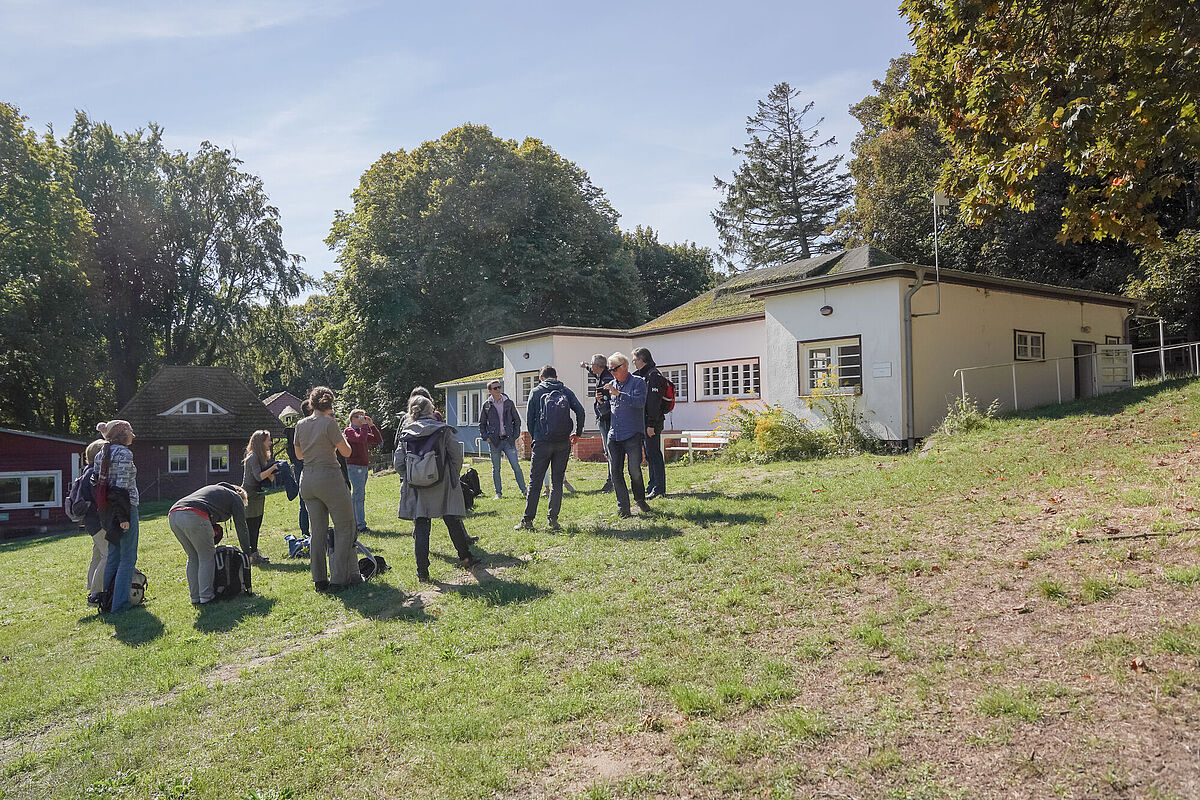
{"points": [[555, 421], [232, 576], [470, 487]]}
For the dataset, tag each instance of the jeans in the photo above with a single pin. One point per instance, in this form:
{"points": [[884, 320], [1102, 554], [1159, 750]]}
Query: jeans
{"points": [[303, 508], [629, 450], [656, 483], [550, 456], [122, 558], [507, 448], [358, 493], [421, 529], [605, 427]]}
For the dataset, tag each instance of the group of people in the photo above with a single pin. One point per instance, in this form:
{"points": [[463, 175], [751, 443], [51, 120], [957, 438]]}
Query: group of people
{"points": [[327, 469], [629, 411]]}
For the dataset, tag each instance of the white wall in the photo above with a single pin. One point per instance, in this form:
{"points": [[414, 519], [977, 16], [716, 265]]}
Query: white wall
{"points": [[696, 346], [564, 353], [976, 327], [870, 310]]}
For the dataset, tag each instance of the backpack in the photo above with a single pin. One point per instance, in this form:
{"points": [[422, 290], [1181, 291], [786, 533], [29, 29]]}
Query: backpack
{"points": [[370, 564], [470, 487], [668, 395], [423, 461], [555, 422], [232, 575], [100, 481], [79, 500], [137, 593]]}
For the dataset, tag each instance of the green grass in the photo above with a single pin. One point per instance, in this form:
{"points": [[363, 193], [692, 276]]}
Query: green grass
{"points": [[765, 638]]}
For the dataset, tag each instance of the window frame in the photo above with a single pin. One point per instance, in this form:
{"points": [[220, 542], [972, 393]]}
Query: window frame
{"points": [[187, 459], [1110, 339], [180, 409], [682, 370], [1017, 332], [523, 396], [803, 388], [23, 477], [473, 399], [721, 398], [211, 468]]}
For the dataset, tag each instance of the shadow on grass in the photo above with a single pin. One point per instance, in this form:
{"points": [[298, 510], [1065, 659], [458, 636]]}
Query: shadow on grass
{"points": [[743, 496], [21, 541], [652, 532], [496, 592], [385, 533], [289, 565], [132, 628], [1105, 404], [377, 599], [705, 518], [220, 616]]}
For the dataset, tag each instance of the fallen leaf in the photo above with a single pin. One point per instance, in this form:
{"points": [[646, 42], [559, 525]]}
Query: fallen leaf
{"points": [[1023, 564], [1138, 665]]}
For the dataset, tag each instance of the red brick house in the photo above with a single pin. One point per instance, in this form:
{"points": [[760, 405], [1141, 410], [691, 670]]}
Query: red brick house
{"points": [[192, 425], [36, 472], [284, 405]]}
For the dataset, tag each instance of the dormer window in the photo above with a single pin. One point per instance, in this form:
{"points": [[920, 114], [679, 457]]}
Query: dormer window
{"points": [[195, 406]]}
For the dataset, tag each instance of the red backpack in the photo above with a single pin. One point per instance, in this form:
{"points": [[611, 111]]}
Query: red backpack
{"points": [[668, 395]]}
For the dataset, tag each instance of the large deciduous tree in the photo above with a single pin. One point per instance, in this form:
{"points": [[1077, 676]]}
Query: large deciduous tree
{"points": [[463, 239], [1105, 90], [671, 274], [47, 374], [779, 203]]}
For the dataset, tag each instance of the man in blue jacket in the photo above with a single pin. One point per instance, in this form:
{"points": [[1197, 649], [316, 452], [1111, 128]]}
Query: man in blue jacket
{"points": [[500, 425], [549, 418], [628, 399]]}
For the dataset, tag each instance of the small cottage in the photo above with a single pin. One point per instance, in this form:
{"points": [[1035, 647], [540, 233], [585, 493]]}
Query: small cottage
{"points": [[36, 472], [192, 425], [285, 406], [464, 398]]}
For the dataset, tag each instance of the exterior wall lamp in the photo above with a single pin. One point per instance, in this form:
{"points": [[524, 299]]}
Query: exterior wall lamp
{"points": [[826, 311]]}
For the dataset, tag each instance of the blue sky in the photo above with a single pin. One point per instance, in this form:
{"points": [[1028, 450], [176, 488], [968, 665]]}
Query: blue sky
{"points": [[647, 97]]}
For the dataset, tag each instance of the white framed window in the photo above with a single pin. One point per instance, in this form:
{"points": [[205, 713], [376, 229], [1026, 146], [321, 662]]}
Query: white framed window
{"points": [[526, 383], [218, 458], [1110, 339], [591, 380], [194, 405], [1029, 345], [678, 375], [469, 403], [39, 489], [832, 366], [720, 380], [177, 458]]}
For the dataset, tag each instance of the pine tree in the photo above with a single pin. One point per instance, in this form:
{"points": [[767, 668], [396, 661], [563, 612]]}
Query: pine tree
{"points": [[782, 198]]}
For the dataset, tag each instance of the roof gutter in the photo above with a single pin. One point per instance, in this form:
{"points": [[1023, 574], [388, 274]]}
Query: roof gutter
{"points": [[910, 415]]}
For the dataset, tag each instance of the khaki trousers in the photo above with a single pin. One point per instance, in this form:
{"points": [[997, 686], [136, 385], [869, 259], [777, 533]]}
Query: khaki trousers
{"points": [[326, 495], [95, 573], [195, 533]]}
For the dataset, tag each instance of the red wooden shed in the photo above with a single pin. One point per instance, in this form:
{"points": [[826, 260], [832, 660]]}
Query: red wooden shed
{"points": [[36, 471]]}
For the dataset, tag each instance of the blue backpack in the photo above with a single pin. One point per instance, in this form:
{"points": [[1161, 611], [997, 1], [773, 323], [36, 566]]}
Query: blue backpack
{"points": [[555, 421], [80, 501]]}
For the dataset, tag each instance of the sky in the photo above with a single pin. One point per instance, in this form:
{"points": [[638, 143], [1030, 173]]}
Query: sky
{"points": [[649, 98]]}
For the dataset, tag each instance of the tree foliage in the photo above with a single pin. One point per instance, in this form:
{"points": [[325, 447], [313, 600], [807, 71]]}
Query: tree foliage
{"points": [[1170, 281], [463, 239], [671, 274], [1104, 89], [780, 201], [45, 325]]}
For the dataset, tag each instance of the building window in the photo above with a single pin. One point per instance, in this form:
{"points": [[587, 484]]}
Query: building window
{"points": [[832, 366], [195, 405], [728, 379], [526, 383], [218, 458], [177, 458], [469, 403], [678, 375], [31, 489], [1112, 340], [1029, 346]]}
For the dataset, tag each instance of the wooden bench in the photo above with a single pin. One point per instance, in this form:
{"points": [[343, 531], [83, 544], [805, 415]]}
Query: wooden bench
{"points": [[692, 442]]}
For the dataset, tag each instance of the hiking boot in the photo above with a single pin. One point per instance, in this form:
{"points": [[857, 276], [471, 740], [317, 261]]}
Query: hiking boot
{"points": [[523, 525], [423, 576], [607, 487], [654, 494], [644, 506], [624, 513], [321, 586], [468, 562], [497, 497], [553, 525]]}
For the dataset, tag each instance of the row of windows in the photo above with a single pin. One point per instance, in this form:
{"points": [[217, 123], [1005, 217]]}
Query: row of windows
{"points": [[30, 489], [1031, 345], [178, 458], [717, 381]]}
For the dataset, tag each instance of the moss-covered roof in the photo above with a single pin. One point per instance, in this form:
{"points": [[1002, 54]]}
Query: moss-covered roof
{"points": [[482, 377], [727, 301]]}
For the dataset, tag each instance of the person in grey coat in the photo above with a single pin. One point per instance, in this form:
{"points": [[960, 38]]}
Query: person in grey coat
{"points": [[444, 499]]}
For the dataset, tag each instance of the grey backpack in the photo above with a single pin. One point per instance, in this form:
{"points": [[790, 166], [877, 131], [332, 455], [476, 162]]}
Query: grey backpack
{"points": [[423, 460]]}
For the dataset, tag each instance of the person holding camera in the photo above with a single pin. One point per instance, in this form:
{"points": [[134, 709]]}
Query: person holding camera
{"points": [[500, 425], [656, 419], [362, 435], [627, 434], [602, 407]]}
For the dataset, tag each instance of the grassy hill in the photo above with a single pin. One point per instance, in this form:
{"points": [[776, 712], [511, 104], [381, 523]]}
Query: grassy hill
{"points": [[1011, 614]]}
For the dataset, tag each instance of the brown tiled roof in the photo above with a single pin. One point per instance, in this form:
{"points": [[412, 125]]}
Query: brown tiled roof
{"points": [[173, 385], [279, 402]]}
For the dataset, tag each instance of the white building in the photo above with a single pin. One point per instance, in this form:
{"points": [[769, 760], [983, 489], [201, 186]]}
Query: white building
{"points": [[769, 335]]}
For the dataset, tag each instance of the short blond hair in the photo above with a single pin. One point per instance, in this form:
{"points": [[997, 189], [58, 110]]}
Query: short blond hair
{"points": [[617, 360], [242, 494], [358, 412]]}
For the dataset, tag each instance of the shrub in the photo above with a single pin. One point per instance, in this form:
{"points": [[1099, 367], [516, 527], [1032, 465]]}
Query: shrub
{"points": [[964, 416], [775, 434]]}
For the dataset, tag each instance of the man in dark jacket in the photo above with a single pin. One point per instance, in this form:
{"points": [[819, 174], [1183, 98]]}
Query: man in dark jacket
{"points": [[500, 425], [548, 416], [643, 362], [602, 406]]}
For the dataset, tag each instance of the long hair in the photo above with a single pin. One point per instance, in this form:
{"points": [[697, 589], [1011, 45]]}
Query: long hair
{"points": [[260, 445]]}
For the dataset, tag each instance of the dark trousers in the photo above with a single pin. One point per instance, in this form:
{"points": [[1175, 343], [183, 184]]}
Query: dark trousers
{"points": [[552, 456], [458, 535], [628, 451], [303, 508], [605, 426], [253, 527], [656, 468]]}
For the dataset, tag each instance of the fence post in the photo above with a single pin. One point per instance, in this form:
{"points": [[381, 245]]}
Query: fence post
{"points": [[1162, 352], [962, 379], [1014, 371]]}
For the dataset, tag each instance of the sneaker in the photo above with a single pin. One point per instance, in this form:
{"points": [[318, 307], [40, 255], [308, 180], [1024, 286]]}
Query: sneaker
{"points": [[624, 513], [321, 586], [93, 600], [497, 497], [553, 525], [472, 539], [523, 525], [468, 562], [423, 576], [652, 495]]}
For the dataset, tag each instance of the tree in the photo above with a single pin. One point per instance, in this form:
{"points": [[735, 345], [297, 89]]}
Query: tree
{"points": [[1104, 89], [1171, 283], [279, 347], [780, 201], [45, 328], [460, 240], [671, 274]]}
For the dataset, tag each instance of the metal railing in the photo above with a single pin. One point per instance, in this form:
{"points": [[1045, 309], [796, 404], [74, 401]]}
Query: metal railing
{"points": [[1192, 348]]}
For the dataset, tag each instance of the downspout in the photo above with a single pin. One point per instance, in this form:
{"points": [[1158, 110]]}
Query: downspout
{"points": [[910, 415]]}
